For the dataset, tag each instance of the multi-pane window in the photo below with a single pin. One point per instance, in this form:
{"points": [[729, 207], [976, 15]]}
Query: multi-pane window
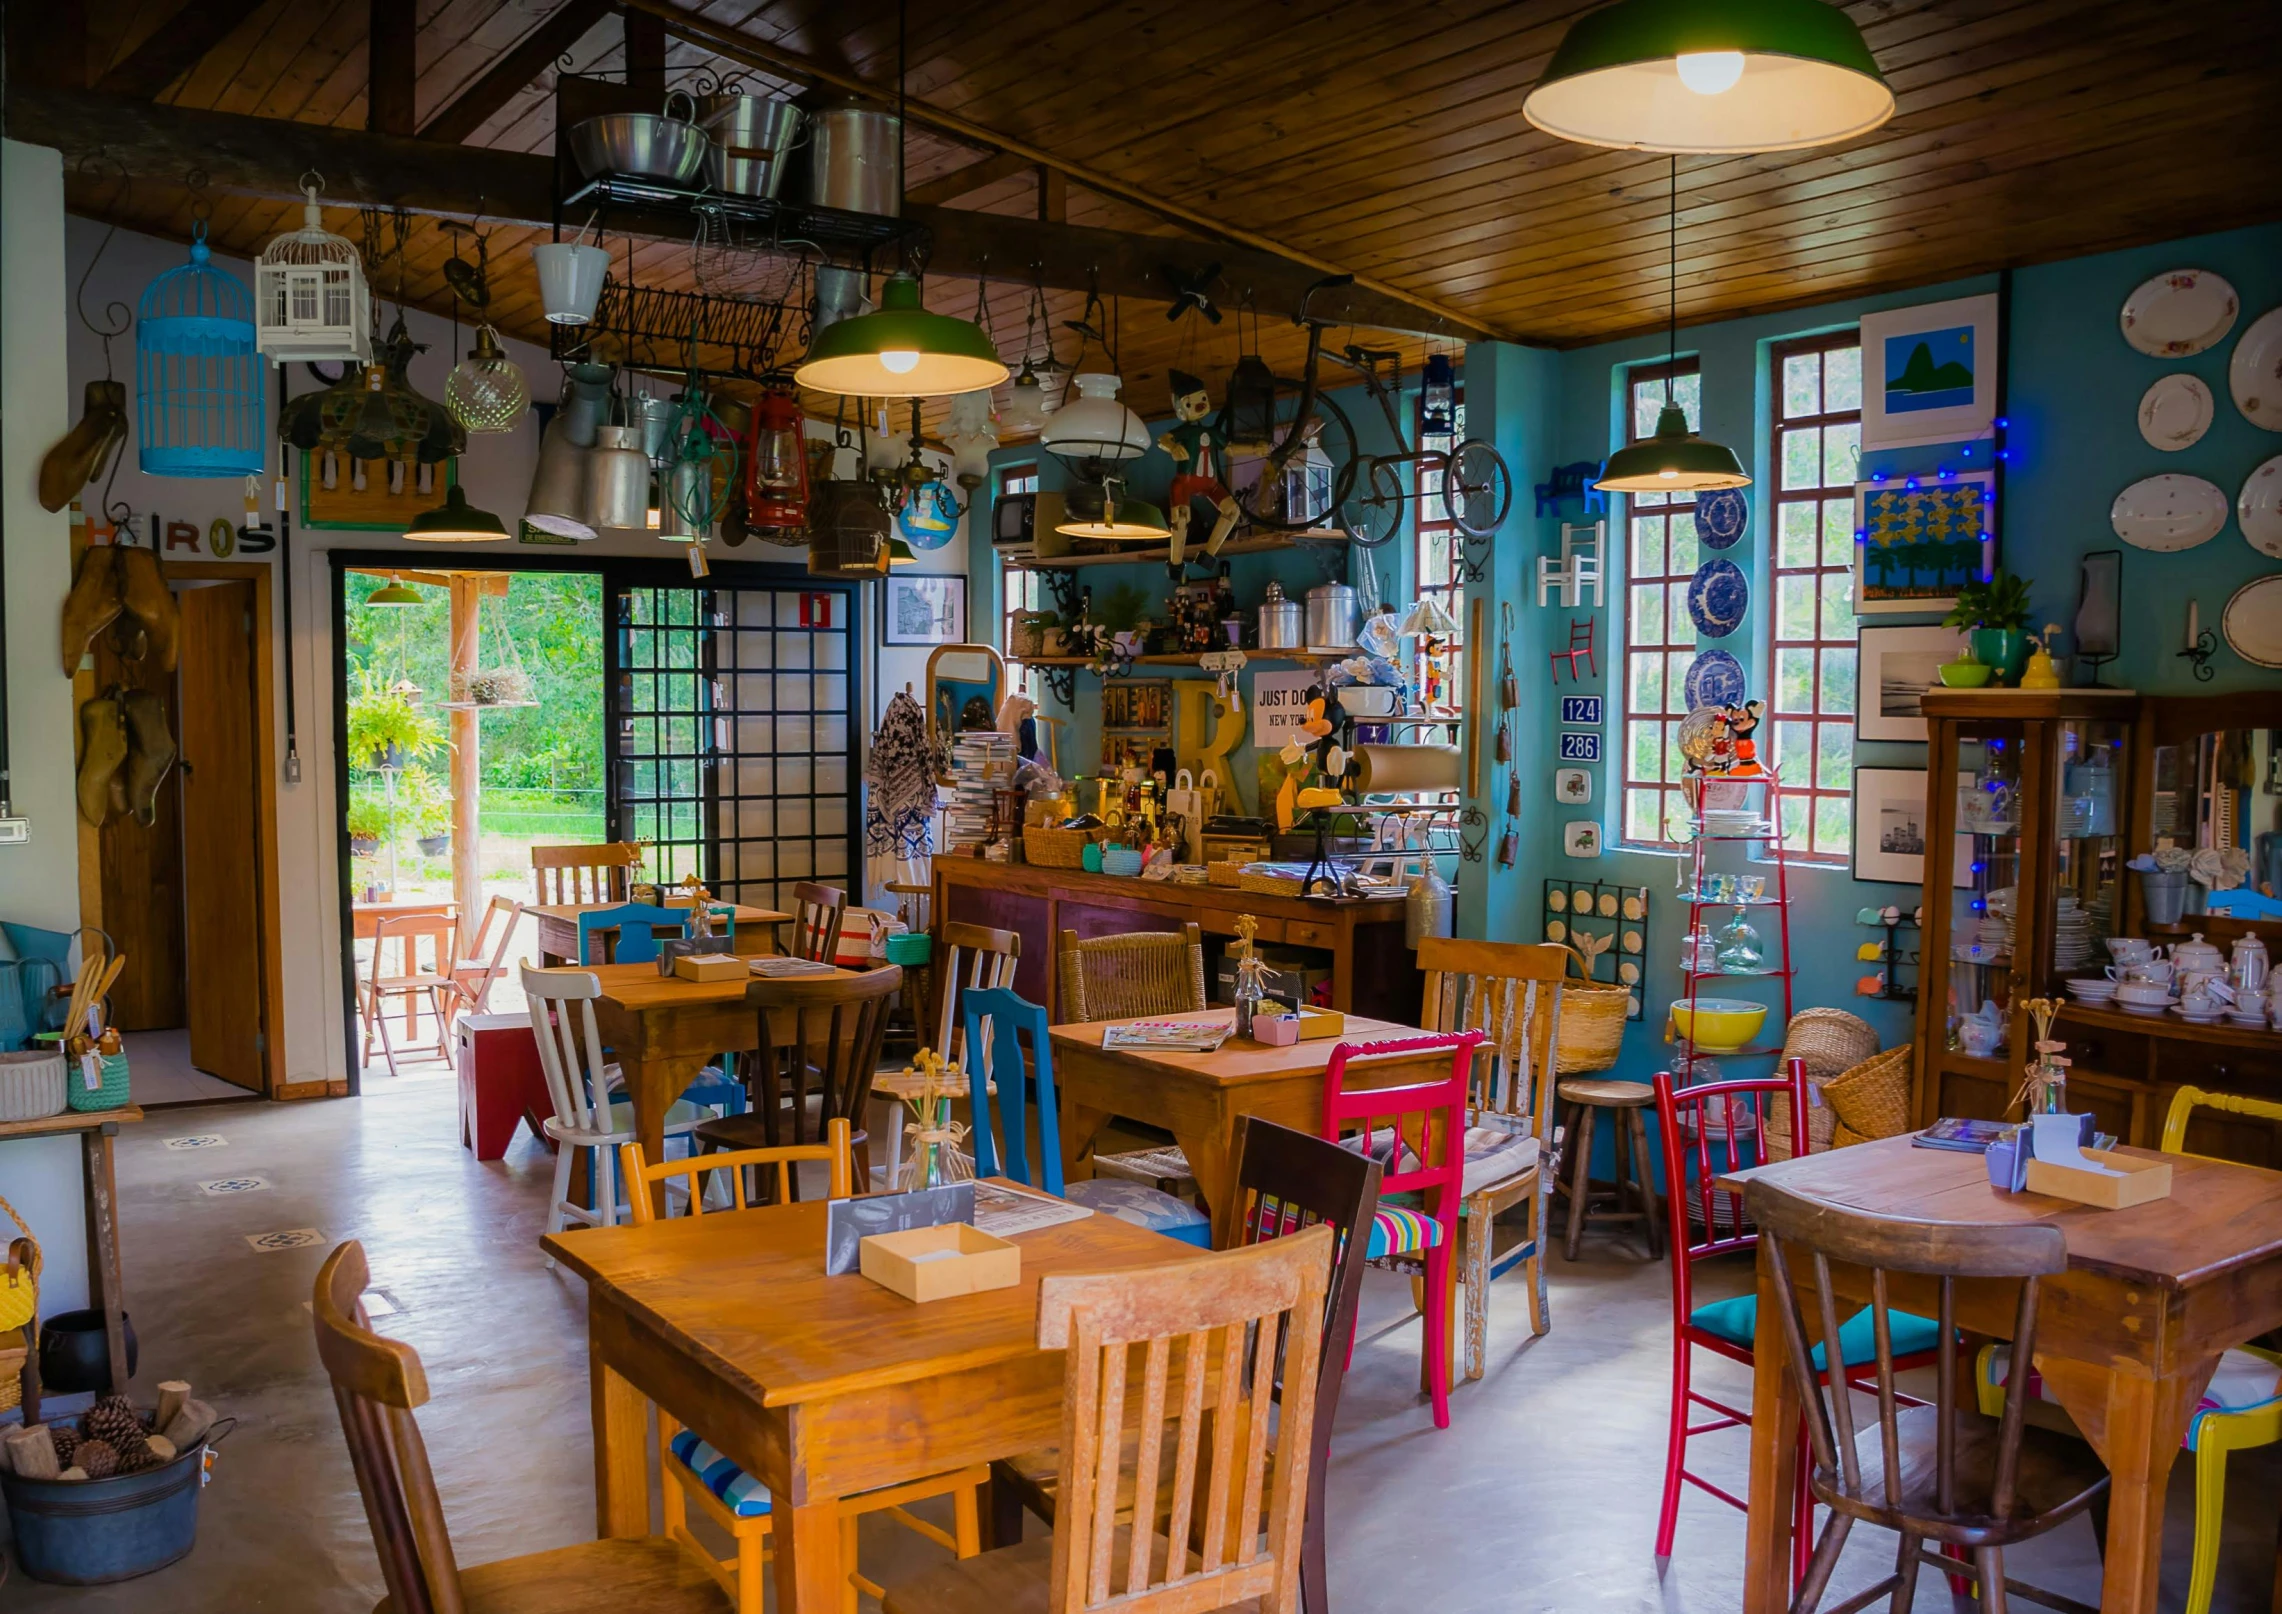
{"points": [[1021, 588], [1811, 637], [1440, 550], [1659, 635]]}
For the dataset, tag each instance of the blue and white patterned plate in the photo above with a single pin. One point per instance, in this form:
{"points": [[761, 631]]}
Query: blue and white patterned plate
{"points": [[1718, 598], [1716, 679], [1721, 516]]}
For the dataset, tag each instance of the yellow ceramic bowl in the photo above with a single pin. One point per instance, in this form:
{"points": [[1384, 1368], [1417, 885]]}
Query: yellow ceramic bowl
{"points": [[1719, 1025]]}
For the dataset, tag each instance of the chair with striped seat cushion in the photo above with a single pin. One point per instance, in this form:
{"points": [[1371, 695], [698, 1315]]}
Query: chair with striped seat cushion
{"points": [[998, 1018], [736, 1490], [1401, 1230]]}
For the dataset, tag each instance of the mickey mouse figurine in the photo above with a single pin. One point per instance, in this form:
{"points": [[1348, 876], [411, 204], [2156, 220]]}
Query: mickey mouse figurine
{"points": [[1196, 455], [1742, 721]]}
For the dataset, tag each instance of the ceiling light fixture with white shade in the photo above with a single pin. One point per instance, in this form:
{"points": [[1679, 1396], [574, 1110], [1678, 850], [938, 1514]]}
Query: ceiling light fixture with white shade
{"points": [[1094, 427], [1711, 77]]}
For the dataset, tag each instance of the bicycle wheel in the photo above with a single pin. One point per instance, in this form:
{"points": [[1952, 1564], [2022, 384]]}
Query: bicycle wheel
{"points": [[1307, 476], [1476, 488], [1374, 513]]}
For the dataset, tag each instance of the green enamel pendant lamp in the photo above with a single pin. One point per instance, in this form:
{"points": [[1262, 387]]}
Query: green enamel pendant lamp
{"points": [[1711, 76], [900, 350], [456, 521], [1675, 460], [396, 593]]}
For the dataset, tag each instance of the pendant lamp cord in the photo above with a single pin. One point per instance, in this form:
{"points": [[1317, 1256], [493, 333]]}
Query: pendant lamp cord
{"points": [[1672, 283]]}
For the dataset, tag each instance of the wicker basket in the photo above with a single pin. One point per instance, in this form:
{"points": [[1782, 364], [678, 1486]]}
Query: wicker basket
{"points": [[1843, 1136], [31, 1085], [1255, 878], [1829, 1042], [1593, 1017], [111, 1089], [1873, 1099], [1057, 848], [1230, 875]]}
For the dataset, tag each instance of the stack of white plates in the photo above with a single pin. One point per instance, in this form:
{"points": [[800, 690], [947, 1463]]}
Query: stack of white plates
{"points": [[2072, 939], [2091, 988], [1731, 821]]}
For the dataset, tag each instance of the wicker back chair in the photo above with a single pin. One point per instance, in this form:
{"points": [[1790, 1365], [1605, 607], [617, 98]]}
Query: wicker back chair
{"points": [[1118, 977]]}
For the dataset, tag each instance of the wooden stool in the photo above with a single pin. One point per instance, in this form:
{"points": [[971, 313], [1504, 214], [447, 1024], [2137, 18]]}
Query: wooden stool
{"points": [[1584, 1095]]}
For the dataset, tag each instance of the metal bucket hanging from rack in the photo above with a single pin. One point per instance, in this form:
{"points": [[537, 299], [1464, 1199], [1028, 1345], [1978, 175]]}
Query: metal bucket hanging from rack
{"points": [[200, 405], [504, 683]]}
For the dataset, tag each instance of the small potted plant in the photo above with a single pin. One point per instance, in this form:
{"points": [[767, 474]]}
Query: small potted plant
{"points": [[1997, 613], [431, 811], [386, 730], [367, 824]]}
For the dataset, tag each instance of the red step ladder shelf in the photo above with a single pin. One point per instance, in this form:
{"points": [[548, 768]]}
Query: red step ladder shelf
{"points": [[1736, 794]]}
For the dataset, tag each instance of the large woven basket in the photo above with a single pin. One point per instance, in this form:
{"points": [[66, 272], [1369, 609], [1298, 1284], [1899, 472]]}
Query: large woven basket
{"points": [[1051, 848], [32, 1085], [1830, 1042], [1873, 1099], [1592, 1023]]}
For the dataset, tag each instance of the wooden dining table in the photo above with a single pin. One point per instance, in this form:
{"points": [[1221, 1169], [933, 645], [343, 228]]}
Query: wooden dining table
{"points": [[818, 1387], [662, 1030], [558, 926], [2126, 1338], [1197, 1097]]}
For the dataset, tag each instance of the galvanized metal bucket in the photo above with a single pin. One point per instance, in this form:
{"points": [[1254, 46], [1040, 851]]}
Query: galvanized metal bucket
{"points": [[752, 138], [855, 160], [93, 1532]]}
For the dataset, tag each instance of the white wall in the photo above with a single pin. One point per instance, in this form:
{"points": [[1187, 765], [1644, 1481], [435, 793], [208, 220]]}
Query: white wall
{"points": [[496, 471], [39, 882]]}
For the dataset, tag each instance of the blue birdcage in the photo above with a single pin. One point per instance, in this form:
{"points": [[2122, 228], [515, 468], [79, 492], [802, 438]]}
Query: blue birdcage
{"points": [[200, 406]]}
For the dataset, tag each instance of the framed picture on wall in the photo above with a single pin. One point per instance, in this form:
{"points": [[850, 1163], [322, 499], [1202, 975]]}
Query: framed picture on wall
{"points": [[1898, 666], [1890, 825], [929, 608], [1918, 538], [1929, 373]]}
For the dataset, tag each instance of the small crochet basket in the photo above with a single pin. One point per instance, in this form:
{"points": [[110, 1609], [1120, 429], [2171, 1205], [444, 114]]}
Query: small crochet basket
{"points": [[110, 1089]]}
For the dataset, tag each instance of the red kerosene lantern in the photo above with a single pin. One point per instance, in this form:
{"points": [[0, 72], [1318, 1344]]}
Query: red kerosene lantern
{"points": [[776, 469]]}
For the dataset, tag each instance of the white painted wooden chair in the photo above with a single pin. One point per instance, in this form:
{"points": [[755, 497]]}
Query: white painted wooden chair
{"points": [[579, 1084]]}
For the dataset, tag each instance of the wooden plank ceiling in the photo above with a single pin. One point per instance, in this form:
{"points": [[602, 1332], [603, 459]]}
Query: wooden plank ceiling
{"points": [[1385, 139]]}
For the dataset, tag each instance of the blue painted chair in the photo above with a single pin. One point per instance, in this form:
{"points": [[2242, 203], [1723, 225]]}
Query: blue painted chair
{"points": [[1008, 1152], [636, 924]]}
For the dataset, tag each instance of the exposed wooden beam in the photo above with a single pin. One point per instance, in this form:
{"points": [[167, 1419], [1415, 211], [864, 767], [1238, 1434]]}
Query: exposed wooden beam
{"points": [[392, 66], [645, 52], [46, 48], [265, 157], [530, 56], [173, 48], [966, 181], [738, 46]]}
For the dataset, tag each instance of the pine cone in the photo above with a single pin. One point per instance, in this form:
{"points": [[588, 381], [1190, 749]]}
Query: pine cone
{"points": [[66, 1441], [114, 1421], [97, 1458], [137, 1457]]}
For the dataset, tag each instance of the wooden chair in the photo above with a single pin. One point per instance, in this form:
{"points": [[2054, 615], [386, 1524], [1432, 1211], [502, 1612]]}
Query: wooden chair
{"points": [[839, 1022], [575, 874], [1421, 1150], [378, 1384], [1943, 1474], [1511, 993], [1285, 1181], [1116, 978], [629, 931], [475, 973], [2241, 1409], [409, 983], [1256, 1466], [818, 911], [578, 1085]]}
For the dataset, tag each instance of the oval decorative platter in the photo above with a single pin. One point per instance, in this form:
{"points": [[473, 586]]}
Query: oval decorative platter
{"points": [[2179, 312], [2169, 513]]}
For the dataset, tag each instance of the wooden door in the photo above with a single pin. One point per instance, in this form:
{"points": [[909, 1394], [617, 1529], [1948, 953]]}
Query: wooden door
{"points": [[140, 868], [221, 828]]}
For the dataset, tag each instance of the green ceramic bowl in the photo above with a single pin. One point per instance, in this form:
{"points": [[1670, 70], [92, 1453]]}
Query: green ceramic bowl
{"points": [[1965, 674]]}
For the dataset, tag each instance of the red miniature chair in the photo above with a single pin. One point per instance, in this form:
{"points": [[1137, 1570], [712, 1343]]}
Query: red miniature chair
{"points": [[1580, 644], [1707, 1130], [1422, 1149]]}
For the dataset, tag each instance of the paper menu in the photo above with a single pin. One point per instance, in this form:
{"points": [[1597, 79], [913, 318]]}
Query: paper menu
{"points": [[2056, 1140]]}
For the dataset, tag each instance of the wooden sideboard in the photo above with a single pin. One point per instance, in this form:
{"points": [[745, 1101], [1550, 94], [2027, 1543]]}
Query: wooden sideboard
{"points": [[1372, 971]]}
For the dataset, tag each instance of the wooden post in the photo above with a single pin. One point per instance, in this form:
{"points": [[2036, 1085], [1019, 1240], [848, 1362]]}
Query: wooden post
{"points": [[646, 52], [392, 67], [467, 753]]}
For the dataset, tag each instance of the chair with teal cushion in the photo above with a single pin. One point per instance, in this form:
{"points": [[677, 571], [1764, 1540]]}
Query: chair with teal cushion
{"points": [[996, 1018], [636, 924]]}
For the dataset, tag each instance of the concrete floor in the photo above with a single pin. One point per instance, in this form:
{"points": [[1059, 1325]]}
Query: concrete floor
{"points": [[1541, 1496]]}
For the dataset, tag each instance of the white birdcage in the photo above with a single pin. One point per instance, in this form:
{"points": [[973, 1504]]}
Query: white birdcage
{"points": [[309, 294]]}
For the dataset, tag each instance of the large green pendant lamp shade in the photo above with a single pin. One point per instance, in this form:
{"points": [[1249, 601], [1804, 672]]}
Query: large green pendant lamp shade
{"points": [[900, 350], [1711, 76]]}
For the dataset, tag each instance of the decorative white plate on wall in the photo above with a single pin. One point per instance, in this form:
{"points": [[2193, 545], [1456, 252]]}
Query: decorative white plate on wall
{"points": [[2253, 621], [2175, 412], [2169, 513], [2259, 508], [2179, 312], [2254, 374]]}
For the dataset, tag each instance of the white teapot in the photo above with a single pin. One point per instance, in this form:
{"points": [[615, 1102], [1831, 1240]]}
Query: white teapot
{"points": [[2197, 954]]}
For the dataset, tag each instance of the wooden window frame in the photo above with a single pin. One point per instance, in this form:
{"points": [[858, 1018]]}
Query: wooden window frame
{"points": [[1818, 790], [1675, 653]]}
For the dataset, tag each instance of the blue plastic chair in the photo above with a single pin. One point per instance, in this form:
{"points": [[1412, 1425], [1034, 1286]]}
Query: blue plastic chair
{"points": [[636, 924], [1007, 1153]]}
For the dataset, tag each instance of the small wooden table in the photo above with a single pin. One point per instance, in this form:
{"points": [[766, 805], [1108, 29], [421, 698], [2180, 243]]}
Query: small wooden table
{"points": [[1197, 1097], [818, 1387], [365, 917], [105, 1286], [664, 1030], [558, 926], [2126, 1338]]}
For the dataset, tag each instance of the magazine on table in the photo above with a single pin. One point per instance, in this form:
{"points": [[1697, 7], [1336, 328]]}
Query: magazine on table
{"points": [[778, 969], [1170, 1036], [1003, 1211]]}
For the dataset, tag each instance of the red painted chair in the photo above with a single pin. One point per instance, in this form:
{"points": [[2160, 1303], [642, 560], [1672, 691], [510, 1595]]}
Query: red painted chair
{"points": [[1706, 1130], [1422, 1150]]}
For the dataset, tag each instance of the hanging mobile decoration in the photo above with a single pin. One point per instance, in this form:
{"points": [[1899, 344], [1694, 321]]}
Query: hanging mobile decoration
{"points": [[309, 286]]}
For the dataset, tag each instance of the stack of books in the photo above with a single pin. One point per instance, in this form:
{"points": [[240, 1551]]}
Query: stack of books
{"points": [[982, 760]]}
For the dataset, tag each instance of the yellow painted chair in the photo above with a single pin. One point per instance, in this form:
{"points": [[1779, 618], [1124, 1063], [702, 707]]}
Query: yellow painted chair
{"points": [[733, 1500], [2242, 1408]]}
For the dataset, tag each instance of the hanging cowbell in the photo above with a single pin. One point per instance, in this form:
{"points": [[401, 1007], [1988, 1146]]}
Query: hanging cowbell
{"points": [[310, 287], [970, 434], [776, 463], [200, 402]]}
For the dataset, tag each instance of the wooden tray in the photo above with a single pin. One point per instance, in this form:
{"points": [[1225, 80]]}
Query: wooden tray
{"points": [[935, 1263], [2142, 1180]]}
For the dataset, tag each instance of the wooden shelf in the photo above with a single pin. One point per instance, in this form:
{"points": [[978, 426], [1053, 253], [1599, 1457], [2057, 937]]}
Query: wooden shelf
{"points": [[2168, 1025], [1251, 657], [1162, 554]]}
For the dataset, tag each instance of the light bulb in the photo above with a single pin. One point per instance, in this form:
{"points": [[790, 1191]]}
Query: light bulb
{"points": [[1711, 72], [1669, 476], [900, 360]]}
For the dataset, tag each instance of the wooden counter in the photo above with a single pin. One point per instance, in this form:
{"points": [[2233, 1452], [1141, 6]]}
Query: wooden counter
{"points": [[1372, 972]]}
